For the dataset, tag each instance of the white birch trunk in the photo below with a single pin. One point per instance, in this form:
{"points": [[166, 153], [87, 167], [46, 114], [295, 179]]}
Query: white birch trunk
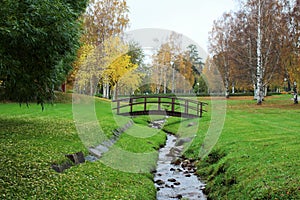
{"points": [[91, 87], [226, 88], [104, 90], [173, 80], [259, 84], [107, 90]]}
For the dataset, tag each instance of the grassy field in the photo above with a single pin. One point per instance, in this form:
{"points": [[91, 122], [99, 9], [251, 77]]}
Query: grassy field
{"points": [[256, 157], [31, 140]]}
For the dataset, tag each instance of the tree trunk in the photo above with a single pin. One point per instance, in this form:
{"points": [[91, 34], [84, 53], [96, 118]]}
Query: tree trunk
{"points": [[226, 85], [116, 92], [165, 83], [91, 87], [259, 84], [173, 80], [295, 94], [104, 90], [107, 91]]}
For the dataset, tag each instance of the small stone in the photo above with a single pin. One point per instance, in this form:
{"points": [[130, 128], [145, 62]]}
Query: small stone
{"points": [[179, 196], [176, 161], [191, 124], [185, 163], [172, 169], [182, 141], [159, 182], [179, 170], [187, 175], [76, 158], [176, 183], [172, 180]]}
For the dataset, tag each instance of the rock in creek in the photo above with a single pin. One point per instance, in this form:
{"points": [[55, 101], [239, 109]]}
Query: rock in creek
{"points": [[159, 182], [172, 180]]}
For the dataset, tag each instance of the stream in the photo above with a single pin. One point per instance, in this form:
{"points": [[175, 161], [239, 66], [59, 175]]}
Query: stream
{"points": [[175, 178]]}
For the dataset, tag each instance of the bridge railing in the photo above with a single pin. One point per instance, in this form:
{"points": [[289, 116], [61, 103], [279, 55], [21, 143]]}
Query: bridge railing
{"points": [[191, 108]]}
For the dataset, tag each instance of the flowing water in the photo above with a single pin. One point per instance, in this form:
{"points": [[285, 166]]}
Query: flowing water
{"points": [[178, 180]]}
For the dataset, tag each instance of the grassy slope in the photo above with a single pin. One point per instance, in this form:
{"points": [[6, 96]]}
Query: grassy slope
{"points": [[31, 140], [257, 155]]}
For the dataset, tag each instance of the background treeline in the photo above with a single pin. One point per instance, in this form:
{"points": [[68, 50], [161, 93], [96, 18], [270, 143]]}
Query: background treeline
{"points": [[256, 48]]}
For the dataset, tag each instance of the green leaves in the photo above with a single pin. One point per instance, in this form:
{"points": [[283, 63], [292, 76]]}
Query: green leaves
{"points": [[38, 42]]}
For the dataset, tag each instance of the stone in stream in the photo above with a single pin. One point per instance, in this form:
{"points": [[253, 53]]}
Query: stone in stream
{"points": [[182, 141], [176, 161], [179, 170], [172, 180], [176, 183], [159, 182]]}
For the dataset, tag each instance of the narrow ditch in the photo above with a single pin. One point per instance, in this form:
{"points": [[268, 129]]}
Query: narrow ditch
{"points": [[175, 177]]}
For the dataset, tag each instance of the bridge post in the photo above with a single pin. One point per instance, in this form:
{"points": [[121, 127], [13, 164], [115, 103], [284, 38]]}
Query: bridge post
{"points": [[145, 104], [158, 106], [173, 104], [186, 108], [130, 103], [200, 109]]}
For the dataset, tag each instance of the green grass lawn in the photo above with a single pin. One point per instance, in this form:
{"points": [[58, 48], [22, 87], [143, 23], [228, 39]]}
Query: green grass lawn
{"points": [[31, 140], [256, 157]]}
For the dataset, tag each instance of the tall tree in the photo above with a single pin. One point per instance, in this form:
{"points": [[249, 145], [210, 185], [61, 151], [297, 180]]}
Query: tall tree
{"points": [[118, 62], [260, 39], [38, 41], [197, 66], [104, 19], [220, 48]]}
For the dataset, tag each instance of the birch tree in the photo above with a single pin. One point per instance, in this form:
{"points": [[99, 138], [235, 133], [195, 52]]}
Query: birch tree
{"points": [[252, 40]]}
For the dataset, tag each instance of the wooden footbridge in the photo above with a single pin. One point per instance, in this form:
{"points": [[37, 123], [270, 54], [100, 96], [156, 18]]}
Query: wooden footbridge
{"points": [[160, 105]]}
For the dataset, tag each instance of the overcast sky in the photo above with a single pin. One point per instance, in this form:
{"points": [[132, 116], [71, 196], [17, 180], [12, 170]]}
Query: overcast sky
{"points": [[192, 18]]}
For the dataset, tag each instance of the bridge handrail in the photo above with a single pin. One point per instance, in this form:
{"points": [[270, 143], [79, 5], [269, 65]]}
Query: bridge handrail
{"points": [[160, 100]]}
